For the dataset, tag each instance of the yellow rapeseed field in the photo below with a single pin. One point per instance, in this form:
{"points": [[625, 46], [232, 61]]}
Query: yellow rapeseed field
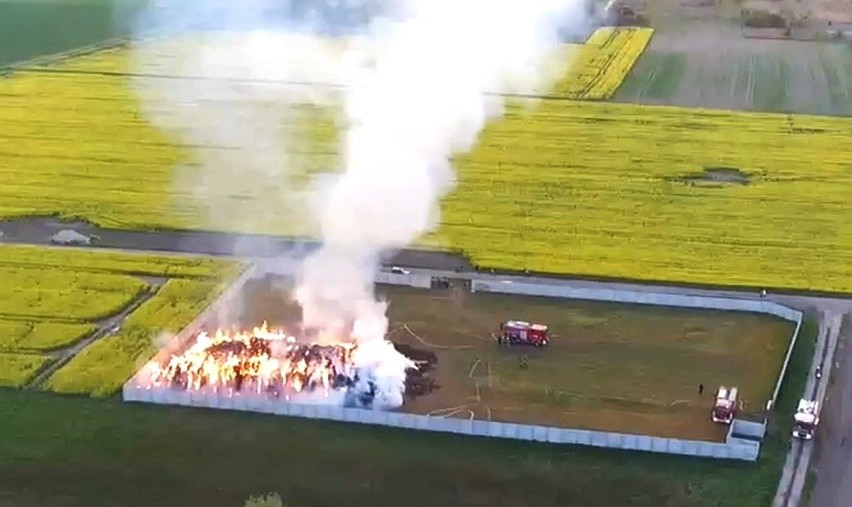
{"points": [[94, 261], [587, 188], [103, 367], [54, 297], [29, 335], [650, 193], [17, 368], [598, 67], [64, 294]]}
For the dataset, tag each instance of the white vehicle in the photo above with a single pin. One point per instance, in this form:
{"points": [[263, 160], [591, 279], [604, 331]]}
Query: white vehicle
{"points": [[399, 271], [70, 237], [806, 419]]}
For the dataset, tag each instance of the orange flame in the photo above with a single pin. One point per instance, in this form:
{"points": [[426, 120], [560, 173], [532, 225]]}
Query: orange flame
{"points": [[261, 359]]}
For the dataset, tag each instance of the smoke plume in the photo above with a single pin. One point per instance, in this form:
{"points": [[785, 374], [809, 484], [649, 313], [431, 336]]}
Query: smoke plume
{"points": [[414, 82]]}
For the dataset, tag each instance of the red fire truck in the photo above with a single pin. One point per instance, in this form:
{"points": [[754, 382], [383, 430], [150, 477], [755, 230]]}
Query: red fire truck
{"points": [[516, 332], [725, 405]]}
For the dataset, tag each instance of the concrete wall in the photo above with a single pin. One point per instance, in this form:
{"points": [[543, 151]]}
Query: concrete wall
{"points": [[275, 266], [738, 450], [421, 281], [748, 429], [637, 297], [800, 317]]}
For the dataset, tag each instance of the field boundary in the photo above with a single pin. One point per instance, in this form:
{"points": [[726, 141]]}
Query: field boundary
{"points": [[734, 447], [55, 58]]}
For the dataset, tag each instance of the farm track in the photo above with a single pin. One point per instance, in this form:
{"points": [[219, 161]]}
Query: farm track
{"points": [[105, 327], [54, 58]]}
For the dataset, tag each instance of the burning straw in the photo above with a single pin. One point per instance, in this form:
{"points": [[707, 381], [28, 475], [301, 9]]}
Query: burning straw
{"points": [[274, 363]]}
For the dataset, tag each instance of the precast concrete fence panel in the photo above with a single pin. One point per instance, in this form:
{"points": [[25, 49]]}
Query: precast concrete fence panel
{"points": [[739, 450]]}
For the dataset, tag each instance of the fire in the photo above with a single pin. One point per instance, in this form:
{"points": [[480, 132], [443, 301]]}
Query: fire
{"points": [[262, 360]]}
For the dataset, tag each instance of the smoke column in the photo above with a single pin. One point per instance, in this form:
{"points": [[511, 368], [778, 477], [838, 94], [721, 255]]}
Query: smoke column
{"points": [[419, 83]]}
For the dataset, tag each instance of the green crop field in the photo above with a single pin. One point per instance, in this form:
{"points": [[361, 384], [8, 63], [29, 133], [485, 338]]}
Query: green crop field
{"points": [[53, 299], [708, 63], [34, 28]]}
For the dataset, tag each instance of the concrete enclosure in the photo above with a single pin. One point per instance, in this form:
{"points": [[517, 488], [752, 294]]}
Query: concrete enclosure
{"points": [[742, 442]]}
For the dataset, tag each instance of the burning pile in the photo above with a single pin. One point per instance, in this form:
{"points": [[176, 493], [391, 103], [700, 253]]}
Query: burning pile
{"points": [[267, 361]]}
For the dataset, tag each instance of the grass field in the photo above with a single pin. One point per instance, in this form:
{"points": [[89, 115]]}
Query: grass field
{"points": [[623, 368], [33, 28], [53, 299], [769, 82], [108, 453], [584, 188]]}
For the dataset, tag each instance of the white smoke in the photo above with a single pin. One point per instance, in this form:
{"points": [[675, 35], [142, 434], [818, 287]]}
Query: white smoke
{"points": [[416, 86]]}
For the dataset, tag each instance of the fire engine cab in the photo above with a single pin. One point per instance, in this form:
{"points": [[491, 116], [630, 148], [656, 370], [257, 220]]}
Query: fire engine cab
{"points": [[725, 405], [806, 419], [516, 332]]}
